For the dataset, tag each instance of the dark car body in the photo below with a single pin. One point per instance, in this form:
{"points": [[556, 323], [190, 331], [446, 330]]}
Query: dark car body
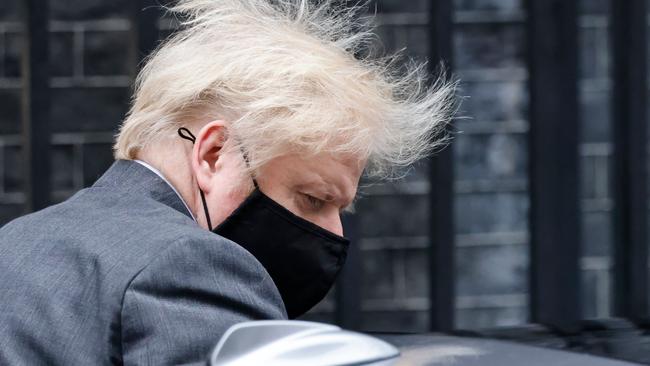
{"points": [[467, 351]]}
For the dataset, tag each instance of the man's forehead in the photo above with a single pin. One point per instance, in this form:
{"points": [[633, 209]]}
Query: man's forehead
{"points": [[340, 171], [332, 166]]}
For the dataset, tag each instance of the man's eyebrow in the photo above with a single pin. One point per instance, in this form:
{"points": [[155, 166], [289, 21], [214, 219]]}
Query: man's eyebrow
{"points": [[340, 193]]}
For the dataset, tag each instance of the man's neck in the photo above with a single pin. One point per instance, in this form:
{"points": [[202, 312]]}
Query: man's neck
{"points": [[173, 171]]}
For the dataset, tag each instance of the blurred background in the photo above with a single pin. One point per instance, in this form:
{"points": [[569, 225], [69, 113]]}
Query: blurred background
{"points": [[467, 240]]}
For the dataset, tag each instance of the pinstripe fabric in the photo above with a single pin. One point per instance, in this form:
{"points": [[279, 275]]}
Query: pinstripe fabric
{"points": [[121, 274]]}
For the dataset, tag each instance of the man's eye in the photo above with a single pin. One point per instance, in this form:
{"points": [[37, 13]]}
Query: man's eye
{"points": [[314, 202]]}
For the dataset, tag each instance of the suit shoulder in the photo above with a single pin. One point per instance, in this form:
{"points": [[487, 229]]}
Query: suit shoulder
{"points": [[201, 262], [203, 247], [97, 228]]}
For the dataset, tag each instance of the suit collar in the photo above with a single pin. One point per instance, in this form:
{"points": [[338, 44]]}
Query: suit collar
{"points": [[133, 177], [161, 176]]}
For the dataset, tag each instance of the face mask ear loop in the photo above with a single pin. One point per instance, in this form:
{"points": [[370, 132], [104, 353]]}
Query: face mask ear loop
{"points": [[187, 135], [205, 208]]}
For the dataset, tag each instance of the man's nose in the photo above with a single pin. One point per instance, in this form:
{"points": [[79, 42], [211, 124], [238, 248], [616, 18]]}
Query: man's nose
{"points": [[333, 223]]}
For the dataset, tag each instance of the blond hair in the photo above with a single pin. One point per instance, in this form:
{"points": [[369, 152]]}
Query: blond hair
{"points": [[288, 76]]}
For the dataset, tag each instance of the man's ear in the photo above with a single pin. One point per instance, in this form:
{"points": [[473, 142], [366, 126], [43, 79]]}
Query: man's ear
{"points": [[208, 149]]}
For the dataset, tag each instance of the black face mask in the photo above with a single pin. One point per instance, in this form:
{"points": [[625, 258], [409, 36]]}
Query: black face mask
{"points": [[302, 258]]}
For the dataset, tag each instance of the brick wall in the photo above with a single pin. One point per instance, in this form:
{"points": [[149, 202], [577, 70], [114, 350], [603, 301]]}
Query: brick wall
{"points": [[491, 162], [90, 87], [595, 152], [92, 73]]}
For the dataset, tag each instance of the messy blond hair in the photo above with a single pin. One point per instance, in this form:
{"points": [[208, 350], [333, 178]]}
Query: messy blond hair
{"points": [[289, 76]]}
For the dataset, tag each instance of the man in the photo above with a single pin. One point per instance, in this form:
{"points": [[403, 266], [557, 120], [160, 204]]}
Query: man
{"points": [[247, 137]]}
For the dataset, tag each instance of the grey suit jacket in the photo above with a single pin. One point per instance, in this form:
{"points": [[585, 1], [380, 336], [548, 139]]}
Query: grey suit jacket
{"points": [[121, 274]]}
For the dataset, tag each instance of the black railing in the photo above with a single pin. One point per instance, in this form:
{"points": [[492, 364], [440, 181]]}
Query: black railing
{"points": [[553, 164], [630, 100], [36, 104], [442, 289]]}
